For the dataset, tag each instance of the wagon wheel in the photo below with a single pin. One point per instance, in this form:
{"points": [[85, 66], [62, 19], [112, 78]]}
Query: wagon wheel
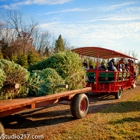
{"points": [[1, 129], [118, 94], [79, 105]]}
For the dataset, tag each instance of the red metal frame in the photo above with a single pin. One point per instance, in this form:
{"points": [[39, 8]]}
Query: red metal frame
{"points": [[111, 86]]}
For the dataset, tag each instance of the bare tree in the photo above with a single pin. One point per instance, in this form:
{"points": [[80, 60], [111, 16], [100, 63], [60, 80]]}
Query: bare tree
{"points": [[22, 32], [42, 43], [1, 25], [14, 20], [67, 44], [134, 54], [7, 34], [4, 37]]}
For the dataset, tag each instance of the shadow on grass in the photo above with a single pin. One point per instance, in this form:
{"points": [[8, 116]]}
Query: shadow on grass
{"points": [[121, 107], [124, 107], [126, 120], [38, 119]]}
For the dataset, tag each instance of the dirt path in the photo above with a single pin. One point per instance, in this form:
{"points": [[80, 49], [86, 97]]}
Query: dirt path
{"points": [[56, 119]]}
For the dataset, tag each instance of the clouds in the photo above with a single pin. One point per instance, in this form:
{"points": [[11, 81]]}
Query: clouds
{"points": [[69, 10], [88, 23], [90, 33], [103, 27], [115, 18], [49, 2], [120, 32], [115, 6], [30, 2]]}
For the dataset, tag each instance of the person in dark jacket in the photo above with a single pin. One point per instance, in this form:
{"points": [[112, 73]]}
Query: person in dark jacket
{"points": [[111, 65]]}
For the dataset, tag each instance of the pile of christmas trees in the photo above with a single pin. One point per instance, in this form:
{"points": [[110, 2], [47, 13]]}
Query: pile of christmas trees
{"points": [[42, 78], [69, 67]]}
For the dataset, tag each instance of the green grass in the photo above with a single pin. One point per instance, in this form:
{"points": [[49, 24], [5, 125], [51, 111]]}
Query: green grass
{"points": [[120, 122]]}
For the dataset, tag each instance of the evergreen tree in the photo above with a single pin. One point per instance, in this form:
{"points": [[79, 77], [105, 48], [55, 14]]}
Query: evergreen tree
{"points": [[59, 45], [14, 58], [32, 57], [22, 60]]}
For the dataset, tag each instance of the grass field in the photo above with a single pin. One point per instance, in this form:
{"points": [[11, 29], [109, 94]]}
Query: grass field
{"points": [[120, 122]]}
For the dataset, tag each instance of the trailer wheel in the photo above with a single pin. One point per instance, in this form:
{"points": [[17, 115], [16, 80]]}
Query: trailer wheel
{"points": [[118, 94], [1, 129], [79, 105]]}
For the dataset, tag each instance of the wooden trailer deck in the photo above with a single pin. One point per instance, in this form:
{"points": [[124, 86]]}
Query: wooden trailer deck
{"points": [[10, 106]]}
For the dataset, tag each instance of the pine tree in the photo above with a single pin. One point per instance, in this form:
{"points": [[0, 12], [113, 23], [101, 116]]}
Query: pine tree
{"points": [[22, 60], [14, 57], [59, 45], [32, 57]]}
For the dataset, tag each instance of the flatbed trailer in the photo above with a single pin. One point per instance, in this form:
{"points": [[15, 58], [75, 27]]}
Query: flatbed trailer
{"points": [[78, 106]]}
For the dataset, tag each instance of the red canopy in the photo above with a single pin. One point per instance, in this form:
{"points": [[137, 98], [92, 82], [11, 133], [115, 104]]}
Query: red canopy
{"points": [[99, 52]]}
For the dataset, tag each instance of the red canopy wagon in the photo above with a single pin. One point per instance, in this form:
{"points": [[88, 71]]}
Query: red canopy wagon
{"points": [[103, 81]]}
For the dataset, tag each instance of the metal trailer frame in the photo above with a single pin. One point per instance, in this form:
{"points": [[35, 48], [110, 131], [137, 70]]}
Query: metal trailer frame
{"points": [[119, 82]]}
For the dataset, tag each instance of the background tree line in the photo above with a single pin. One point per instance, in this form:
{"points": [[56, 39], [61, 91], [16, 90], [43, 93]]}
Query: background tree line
{"points": [[27, 44], [24, 43]]}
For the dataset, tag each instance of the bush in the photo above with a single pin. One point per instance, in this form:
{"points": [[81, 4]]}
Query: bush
{"points": [[68, 65], [33, 57], [22, 60], [43, 82], [16, 78]]}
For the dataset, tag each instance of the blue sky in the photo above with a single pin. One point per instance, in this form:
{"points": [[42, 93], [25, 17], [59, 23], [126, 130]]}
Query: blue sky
{"points": [[112, 24]]}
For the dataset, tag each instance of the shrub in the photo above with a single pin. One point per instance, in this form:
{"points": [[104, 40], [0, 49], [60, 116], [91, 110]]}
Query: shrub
{"points": [[22, 60], [43, 82], [16, 77], [33, 57]]}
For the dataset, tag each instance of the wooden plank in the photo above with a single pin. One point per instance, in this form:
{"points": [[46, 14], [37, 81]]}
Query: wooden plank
{"points": [[33, 102]]}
